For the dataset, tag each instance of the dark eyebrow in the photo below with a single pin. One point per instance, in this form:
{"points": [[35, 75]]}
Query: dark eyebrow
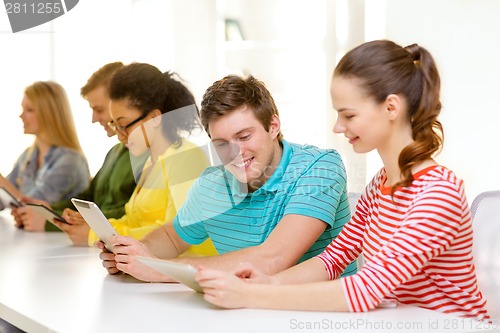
{"points": [[235, 134], [213, 140], [243, 130]]}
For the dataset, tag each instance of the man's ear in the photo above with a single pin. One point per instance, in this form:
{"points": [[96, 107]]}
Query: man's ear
{"points": [[394, 106], [275, 126]]}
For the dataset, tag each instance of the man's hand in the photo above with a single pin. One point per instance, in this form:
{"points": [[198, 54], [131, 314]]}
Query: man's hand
{"points": [[125, 249]]}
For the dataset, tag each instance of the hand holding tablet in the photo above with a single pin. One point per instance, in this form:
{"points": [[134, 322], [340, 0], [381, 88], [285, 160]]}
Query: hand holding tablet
{"points": [[46, 212], [183, 273], [7, 199], [96, 220]]}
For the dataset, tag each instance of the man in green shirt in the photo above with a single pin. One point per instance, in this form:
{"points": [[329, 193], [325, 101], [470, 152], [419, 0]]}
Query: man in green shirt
{"points": [[113, 184]]}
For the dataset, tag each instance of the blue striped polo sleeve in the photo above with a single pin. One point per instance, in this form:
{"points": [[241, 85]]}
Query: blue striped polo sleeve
{"points": [[319, 187], [188, 223]]}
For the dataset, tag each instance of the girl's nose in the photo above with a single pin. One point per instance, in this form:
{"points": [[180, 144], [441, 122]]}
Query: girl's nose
{"points": [[338, 127]]}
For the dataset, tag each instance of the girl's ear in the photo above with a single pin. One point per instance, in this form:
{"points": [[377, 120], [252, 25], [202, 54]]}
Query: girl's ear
{"points": [[156, 117], [394, 106], [275, 126]]}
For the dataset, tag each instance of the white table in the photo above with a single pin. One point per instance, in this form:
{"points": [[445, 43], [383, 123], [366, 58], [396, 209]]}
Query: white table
{"points": [[46, 285]]}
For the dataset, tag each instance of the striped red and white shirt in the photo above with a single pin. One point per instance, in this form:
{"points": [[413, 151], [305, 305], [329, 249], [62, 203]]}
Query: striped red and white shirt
{"points": [[417, 247]]}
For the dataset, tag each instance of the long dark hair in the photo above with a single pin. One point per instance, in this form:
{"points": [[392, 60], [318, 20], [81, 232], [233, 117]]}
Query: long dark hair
{"points": [[146, 88]]}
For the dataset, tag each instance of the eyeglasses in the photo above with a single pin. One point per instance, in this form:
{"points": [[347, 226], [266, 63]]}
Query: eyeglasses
{"points": [[123, 129]]}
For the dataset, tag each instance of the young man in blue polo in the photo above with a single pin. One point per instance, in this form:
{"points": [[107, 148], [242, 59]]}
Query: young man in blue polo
{"points": [[270, 203]]}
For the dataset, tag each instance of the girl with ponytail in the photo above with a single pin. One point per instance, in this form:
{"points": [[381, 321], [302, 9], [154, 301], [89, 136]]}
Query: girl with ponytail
{"points": [[412, 222]]}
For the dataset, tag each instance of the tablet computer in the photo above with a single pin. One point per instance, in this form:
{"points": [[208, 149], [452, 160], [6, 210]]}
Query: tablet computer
{"points": [[7, 199], [46, 213], [96, 220], [183, 273]]}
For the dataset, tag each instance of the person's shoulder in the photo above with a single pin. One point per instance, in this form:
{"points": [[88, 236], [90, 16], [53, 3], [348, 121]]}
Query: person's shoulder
{"points": [[25, 152], [117, 152], [439, 176], [211, 180], [68, 154], [182, 145], [61, 150], [119, 147], [439, 173], [213, 172], [307, 153]]}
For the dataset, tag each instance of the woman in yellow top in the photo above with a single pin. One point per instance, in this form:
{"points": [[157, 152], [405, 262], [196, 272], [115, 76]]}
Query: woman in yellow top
{"points": [[151, 111]]}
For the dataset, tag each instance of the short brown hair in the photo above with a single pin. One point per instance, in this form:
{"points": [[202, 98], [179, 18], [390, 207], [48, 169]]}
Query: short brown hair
{"points": [[233, 92], [101, 77]]}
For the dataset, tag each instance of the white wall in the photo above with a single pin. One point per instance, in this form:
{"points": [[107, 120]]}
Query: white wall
{"points": [[68, 50], [173, 34], [21, 60], [462, 35]]}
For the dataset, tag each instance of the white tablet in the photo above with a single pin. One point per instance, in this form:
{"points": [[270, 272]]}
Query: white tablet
{"points": [[7, 199], [178, 271], [96, 220]]}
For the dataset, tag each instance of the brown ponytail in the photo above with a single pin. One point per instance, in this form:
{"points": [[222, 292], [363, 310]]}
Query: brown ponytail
{"points": [[427, 131]]}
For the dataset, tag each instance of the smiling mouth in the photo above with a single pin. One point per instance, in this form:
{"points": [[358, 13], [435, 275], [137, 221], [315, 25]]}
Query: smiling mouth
{"points": [[351, 140], [243, 164]]}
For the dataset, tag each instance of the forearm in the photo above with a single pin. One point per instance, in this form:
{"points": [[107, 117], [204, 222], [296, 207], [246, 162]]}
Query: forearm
{"points": [[317, 296], [265, 261], [5, 183], [308, 271], [161, 245]]}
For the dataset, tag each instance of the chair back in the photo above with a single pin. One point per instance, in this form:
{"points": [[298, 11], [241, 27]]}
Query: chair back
{"points": [[485, 211], [353, 200]]}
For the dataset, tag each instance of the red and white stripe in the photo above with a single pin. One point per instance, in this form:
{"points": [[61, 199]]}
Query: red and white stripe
{"points": [[417, 246]]}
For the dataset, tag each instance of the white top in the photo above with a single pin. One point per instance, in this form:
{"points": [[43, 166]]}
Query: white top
{"points": [[46, 285]]}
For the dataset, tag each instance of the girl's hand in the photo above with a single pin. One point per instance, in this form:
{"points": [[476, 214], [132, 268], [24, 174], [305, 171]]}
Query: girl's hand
{"points": [[27, 219], [222, 288], [250, 274]]}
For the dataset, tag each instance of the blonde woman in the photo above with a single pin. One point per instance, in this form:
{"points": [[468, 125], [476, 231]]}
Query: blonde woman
{"points": [[54, 167]]}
